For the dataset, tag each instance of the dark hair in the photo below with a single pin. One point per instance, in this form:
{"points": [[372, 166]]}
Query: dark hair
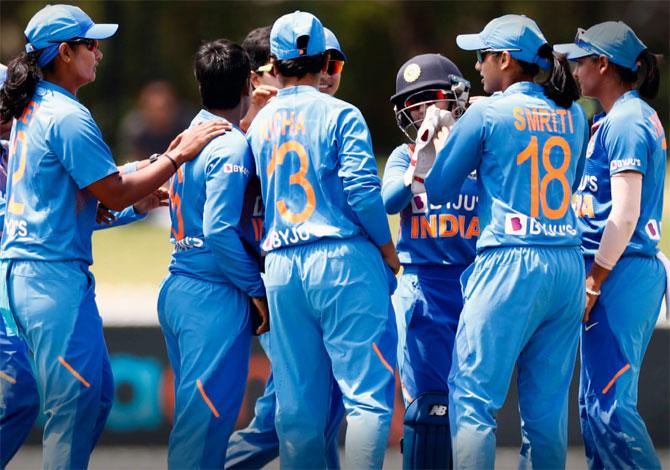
{"points": [[257, 45], [559, 85], [23, 74], [301, 66], [222, 69], [647, 77]]}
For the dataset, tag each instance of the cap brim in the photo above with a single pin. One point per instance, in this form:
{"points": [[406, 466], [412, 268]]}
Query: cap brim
{"points": [[337, 55], [470, 42], [418, 86], [572, 51], [101, 31]]}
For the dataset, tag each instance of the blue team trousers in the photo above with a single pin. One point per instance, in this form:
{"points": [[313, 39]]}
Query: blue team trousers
{"points": [[53, 307], [523, 307], [19, 399], [330, 317], [257, 445], [208, 336], [613, 344], [427, 305]]}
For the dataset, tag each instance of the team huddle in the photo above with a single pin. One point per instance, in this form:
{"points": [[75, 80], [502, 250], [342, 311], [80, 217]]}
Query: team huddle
{"points": [[524, 231]]}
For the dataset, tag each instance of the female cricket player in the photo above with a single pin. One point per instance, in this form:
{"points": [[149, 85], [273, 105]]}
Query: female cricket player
{"points": [[436, 243], [258, 444], [59, 168], [527, 144], [619, 203]]}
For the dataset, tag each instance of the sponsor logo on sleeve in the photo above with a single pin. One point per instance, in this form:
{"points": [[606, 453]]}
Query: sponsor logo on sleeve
{"points": [[625, 163], [231, 168], [653, 229]]}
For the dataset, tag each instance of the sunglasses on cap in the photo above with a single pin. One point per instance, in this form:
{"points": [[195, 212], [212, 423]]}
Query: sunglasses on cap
{"points": [[335, 67], [267, 68], [426, 96], [483, 53], [90, 44]]}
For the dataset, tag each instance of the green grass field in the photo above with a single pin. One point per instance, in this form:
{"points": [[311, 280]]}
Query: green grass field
{"points": [[139, 253]]}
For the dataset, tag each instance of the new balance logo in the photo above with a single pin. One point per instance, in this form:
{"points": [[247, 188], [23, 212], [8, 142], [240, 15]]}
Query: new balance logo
{"points": [[438, 410]]}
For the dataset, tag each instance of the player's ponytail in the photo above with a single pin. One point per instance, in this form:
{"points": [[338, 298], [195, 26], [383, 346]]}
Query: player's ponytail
{"points": [[560, 86], [23, 74], [649, 75]]}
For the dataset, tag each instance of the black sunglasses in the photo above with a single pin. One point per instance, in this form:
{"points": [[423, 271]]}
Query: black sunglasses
{"points": [[91, 44], [483, 53]]}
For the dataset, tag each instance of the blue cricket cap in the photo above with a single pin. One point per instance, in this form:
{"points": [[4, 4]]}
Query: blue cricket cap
{"points": [[613, 39], [54, 24], [288, 28], [333, 45], [517, 34]]}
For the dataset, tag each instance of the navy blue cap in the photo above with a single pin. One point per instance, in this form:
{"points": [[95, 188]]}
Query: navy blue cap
{"points": [[517, 34], [333, 46], [288, 28], [424, 71], [613, 39]]}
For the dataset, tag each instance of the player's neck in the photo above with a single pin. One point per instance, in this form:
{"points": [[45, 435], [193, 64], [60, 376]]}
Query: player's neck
{"points": [[233, 115], [311, 79], [610, 91]]}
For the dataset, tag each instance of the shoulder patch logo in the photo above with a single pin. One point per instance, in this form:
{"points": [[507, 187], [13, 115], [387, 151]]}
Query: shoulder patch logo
{"points": [[438, 410], [412, 73]]}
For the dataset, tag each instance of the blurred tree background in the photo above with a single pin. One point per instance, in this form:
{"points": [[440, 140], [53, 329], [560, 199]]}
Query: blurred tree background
{"points": [[157, 40]]}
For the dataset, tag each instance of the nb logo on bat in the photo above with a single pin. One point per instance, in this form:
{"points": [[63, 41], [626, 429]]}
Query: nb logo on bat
{"points": [[438, 410]]}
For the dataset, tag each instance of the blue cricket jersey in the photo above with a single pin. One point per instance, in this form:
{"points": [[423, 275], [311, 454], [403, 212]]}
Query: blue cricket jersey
{"points": [[443, 234], [207, 196], [529, 155], [317, 170], [628, 138], [56, 150], [4, 152]]}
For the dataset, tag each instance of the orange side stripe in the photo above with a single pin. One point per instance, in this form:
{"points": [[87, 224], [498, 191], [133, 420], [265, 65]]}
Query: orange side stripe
{"points": [[206, 398], [73, 372], [9, 379], [614, 379], [381, 358]]}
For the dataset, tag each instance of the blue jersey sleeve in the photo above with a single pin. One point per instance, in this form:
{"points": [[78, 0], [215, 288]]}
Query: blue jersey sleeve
{"points": [[625, 141], [459, 156], [358, 171], [227, 174], [394, 192], [3, 208], [76, 139], [581, 163], [124, 217]]}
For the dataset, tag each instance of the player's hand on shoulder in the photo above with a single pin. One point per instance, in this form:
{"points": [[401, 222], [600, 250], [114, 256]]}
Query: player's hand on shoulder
{"points": [[159, 198], [260, 316], [262, 94], [189, 143]]}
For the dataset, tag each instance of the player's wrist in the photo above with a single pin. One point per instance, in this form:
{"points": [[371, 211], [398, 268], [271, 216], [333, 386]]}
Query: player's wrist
{"points": [[176, 158]]}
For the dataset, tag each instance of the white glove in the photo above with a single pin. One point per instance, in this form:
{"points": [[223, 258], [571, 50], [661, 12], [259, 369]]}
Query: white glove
{"points": [[424, 152]]}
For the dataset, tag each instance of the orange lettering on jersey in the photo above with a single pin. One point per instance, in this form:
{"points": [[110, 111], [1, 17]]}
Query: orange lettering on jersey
{"points": [[286, 124], [572, 130], [473, 228], [561, 113], [257, 222], [520, 123], [544, 120], [429, 227], [29, 113], [658, 127], [533, 119], [415, 226], [448, 225], [300, 124], [582, 204]]}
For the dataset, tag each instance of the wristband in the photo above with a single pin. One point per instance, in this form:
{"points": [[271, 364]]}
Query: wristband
{"points": [[154, 157], [592, 292], [174, 163]]}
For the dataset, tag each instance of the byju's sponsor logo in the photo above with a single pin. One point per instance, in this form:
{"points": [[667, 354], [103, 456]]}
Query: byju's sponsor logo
{"points": [[230, 168], [516, 224], [653, 229], [625, 163]]}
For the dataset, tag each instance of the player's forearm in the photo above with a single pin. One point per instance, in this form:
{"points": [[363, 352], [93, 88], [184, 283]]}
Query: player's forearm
{"points": [[118, 191], [234, 260], [375, 223], [395, 194], [124, 217], [626, 191]]}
